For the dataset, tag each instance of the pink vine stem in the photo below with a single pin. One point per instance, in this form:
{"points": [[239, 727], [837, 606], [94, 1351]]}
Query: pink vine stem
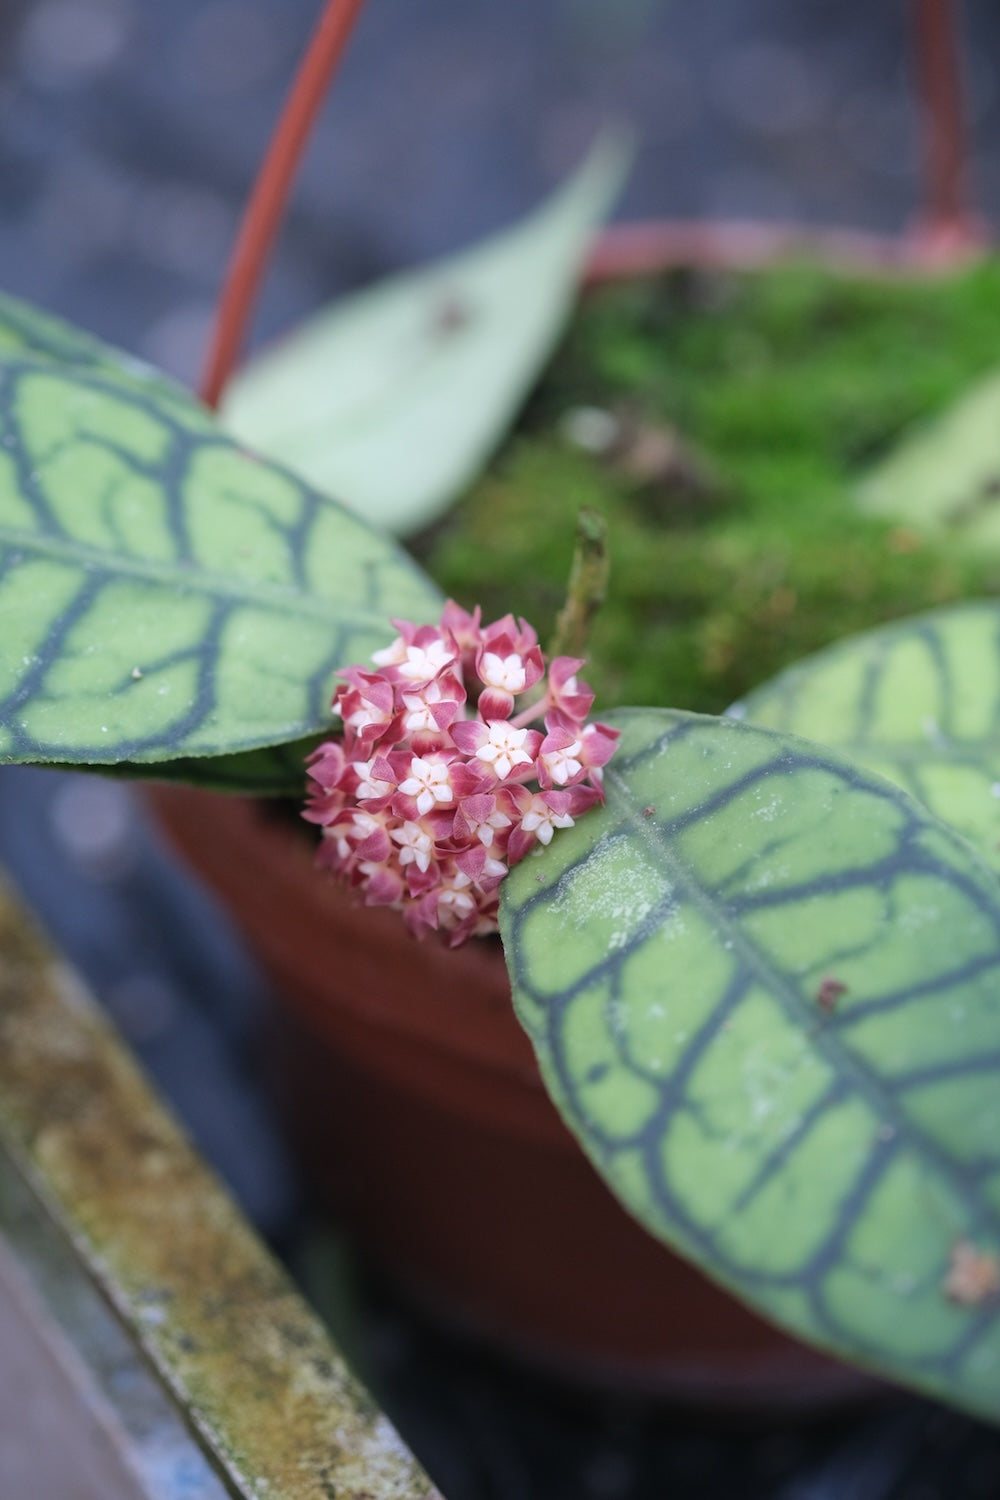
{"points": [[266, 207]]}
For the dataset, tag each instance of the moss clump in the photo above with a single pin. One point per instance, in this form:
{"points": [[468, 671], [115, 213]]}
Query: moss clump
{"points": [[787, 384]]}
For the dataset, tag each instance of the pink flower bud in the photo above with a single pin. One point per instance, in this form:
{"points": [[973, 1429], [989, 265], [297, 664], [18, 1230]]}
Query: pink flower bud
{"points": [[566, 692]]}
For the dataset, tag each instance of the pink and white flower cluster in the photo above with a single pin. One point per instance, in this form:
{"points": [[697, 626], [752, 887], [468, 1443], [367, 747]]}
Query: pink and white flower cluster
{"points": [[439, 783]]}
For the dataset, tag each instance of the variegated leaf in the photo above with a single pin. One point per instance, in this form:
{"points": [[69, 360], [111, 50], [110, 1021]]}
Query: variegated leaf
{"points": [[918, 701], [764, 989], [165, 594]]}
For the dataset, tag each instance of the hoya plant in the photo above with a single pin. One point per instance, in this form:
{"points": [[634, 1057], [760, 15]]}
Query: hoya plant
{"points": [[758, 955]]}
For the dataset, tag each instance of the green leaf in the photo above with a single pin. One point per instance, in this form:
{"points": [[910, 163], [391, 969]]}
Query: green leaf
{"points": [[164, 594], [395, 398], [946, 474], [917, 701], [764, 990]]}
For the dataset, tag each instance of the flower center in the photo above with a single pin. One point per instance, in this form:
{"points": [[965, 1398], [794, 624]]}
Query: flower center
{"points": [[503, 749]]}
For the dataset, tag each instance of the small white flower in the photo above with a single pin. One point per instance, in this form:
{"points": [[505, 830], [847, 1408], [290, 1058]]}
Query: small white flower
{"points": [[392, 655], [363, 824], [418, 708], [369, 785], [503, 749], [365, 715], [562, 765], [506, 672], [483, 829], [424, 662], [415, 845], [541, 820], [493, 869], [455, 901], [429, 783]]}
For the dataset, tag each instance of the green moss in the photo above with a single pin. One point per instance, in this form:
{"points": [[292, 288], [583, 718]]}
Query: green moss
{"points": [[789, 382]]}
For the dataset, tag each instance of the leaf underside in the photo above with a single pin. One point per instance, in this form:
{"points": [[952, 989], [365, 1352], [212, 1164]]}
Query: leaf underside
{"points": [[273, 771], [945, 475], [163, 593], [764, 989], [918, 702], [395, 398]]}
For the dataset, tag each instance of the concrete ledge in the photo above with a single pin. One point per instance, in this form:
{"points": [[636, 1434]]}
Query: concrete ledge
{"points": [[241, 1360]]}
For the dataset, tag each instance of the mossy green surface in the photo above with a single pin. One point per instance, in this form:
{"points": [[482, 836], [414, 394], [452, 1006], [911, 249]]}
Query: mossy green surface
{"points": [[789, 383]]}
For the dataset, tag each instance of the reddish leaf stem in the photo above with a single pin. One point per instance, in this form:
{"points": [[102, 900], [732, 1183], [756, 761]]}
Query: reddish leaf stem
{"points": [[939, 87], [266, 207]]}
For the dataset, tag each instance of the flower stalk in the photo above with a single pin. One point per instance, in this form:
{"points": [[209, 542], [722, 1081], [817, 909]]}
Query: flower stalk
{"points": [[587, 588]]}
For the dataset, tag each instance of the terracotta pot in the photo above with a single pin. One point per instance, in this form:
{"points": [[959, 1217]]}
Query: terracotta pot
{"points": [[413, 1097]]}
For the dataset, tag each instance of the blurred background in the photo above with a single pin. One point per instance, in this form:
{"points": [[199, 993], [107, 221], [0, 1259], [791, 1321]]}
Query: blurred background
{"points": [[129, 132], [129, 135]]}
